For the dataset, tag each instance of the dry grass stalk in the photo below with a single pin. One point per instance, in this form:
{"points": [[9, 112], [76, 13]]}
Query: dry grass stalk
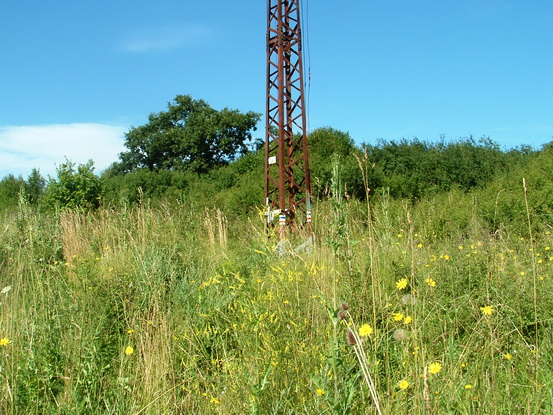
{"points": [[355, 341]]}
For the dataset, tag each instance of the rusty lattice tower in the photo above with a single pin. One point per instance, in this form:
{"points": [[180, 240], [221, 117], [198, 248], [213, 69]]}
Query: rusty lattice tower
{"points": [[287, 178]]}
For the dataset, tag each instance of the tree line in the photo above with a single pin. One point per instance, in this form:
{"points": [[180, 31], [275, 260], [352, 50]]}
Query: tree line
{"points": [[193, 152]]}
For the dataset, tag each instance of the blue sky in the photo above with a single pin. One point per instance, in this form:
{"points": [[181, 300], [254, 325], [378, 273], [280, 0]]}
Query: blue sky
{"points": [[75, 76]]}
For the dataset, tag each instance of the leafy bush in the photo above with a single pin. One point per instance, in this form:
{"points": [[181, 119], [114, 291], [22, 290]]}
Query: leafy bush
{"points": [[74, 188], [416, 168], [503, 201], [144, 184]]}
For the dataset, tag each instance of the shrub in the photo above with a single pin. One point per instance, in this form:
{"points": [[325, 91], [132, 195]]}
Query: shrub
{"points": [[74, 188]]}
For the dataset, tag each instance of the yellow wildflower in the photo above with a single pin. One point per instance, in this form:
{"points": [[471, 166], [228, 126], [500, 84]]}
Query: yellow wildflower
{"points": [[507, 356], [487, 310], [408, 319], [397, 316], [320, 392], [468, 386], [403, 384], [402, 284], [434, 368], [129, 350], [365, 330], [4, 341], [430, 282]]}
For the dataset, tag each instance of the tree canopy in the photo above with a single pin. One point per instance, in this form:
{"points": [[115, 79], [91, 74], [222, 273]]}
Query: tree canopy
{"points": [[189, 136]]}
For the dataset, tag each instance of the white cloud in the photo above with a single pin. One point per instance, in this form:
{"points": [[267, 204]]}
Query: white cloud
{"points": [[165, 38], [44, 147]]}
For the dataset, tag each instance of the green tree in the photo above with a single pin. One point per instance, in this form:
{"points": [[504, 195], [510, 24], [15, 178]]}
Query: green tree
{"points": [[74, 188], [10, 186], [190, 136], [35, 186], [328, 144]]}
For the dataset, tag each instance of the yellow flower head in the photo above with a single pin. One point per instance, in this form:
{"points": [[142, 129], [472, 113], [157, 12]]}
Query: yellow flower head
{"points": [[403, 384], [402, 284], [434, 368], [468, 386], [320, 392], [365, 330], [487, 310], [408, 319], [129, 350], [507, 356], [430, 282], [397, 316], [4, 341]]}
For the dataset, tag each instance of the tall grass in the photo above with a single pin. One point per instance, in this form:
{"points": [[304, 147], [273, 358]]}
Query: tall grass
{"points": [[169, 310]]}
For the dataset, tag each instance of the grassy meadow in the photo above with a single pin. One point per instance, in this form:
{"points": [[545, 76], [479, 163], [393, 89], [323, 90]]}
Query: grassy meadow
{"points": [[174, 309]]}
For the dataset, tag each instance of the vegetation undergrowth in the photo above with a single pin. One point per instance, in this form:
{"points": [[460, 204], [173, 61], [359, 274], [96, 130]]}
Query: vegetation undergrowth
{"points": [[167, 309]]}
